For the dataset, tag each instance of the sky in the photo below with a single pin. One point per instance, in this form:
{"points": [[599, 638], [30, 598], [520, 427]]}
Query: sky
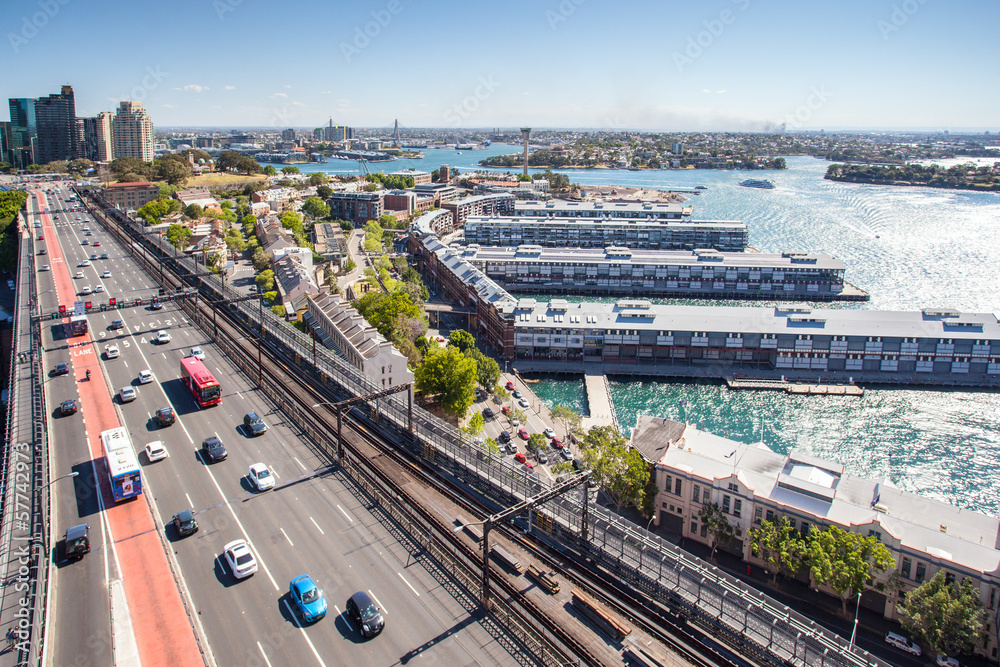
{"points": [[737, 65]]}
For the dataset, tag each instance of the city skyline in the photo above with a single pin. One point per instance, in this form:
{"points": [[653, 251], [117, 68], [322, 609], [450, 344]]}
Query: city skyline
{"points": [[737, 65]]}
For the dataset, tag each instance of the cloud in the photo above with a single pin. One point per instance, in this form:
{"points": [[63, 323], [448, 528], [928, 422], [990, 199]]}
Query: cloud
{"points": [[288, 85], [193, 88], [705, 90], [720, 92], [215, 106], [169, 106], [229, 87], [279, 95], [326, 92]]}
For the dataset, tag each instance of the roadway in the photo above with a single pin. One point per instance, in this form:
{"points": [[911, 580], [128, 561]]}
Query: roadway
{"points": [[314, 521]]}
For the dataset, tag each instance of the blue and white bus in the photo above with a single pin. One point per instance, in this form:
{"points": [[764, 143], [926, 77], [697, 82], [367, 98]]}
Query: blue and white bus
{"points": [[123, 465]]}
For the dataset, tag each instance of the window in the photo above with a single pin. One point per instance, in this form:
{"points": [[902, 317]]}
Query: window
{"points": [[677, 486], [791, 522], [694, 527], [876, 534], [735, 488], [770, 515], [669, 483], [757, 513], [737, 507], [921, 572], [805, 529], [993, 597], [696, 494], [905, 569], [706, 497], [704, 530], [949, 577]]}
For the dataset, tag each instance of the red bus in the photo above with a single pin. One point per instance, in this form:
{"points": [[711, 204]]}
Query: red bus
{"points": [[204, 387]]}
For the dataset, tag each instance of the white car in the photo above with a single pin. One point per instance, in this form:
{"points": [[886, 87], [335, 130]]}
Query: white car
{"points": [[45, 267], [240, 559], [85, 262], [523, 402], [127, 394], [155, 451], [944, 661], [198, 353], [261, 477], [161, 337], [99, 288], [112, 351], [901, 642], [79, 274], [87, 289], [145, 377], [106, 274], [549, 433]]}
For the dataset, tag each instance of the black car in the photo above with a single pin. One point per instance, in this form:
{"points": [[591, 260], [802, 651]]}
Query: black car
{"points": [[213, 450], [577, 465], [253, 424], [488, 413], [504, 437], [42, 251], [185, 523], [156, 306], [61, 369], [366, 613], [165, 416], [68, 407]]}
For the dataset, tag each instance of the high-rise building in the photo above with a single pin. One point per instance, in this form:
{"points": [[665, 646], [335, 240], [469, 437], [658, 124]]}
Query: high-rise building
{"points": [[318, 134], [55, 116], [132, 132], [337, 132], [288, 135], [21, 152], [97, 137]]}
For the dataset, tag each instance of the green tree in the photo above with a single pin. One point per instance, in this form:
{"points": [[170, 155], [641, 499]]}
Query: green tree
{"points": [[316, 207], [383, 310], [265, 280], [193, 211], [290, 170], [317, 178], [536, 442], [261, 259], [780, 546], [270, 296], [324, 192], [567, 418], [476, 423], [717, 525], [278, 310], [446, 373], [948, 617], [177, 235], [462, 339], [517, 415], [846, 561], [349, 265], [269, 170], [235, 240], [174, 171], [487, 370], [617, 468], [79, 165], [154, 210]]}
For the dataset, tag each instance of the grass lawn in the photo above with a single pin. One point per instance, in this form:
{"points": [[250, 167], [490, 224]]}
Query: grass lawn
{"points": [[213, 179]]}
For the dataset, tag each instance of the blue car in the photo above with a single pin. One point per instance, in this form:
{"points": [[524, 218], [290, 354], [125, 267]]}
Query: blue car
{"points": [[307, 598]]}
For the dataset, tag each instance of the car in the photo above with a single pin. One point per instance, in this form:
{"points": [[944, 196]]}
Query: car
{"points": [[549, 433], [529, 465], [307, 598], [505, 410], [578, 465], [112, 351], [145, 377], [85, 262], [365, 613], [86, 242], [99, 289], [67, 407], [488, 413], [127, 394], [213, 450], [523, 403], [241, 561], [557, 443], [504, 437], [85, 228], [117, 324], [42, 251], [185, 523], [161, 337], [45, 267], [41, 237], [520, 457], [198, 353], [516, 393], [901, 642], [88, 233], [79, 274], [156, 305], [542, 456], [511, 448], [514, 423], [566, 454], [93, 257], [87, 289], [104, 255], [106, 274], [61, 369], [156, 451], [261, 477], [509, 386], [253, 424], [944, 661], [522, 434], [97, 244], [165, 416]]}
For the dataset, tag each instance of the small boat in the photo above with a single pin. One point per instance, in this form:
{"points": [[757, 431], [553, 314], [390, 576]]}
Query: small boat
{"points": [[763, 184], [700, 187]]}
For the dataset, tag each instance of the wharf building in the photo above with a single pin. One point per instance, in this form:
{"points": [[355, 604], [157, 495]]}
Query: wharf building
{"points": [[751, 484], [703, 273], [635, 337]]}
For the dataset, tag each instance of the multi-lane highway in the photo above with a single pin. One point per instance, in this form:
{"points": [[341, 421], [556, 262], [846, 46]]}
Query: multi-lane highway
{"points": [[313, 522]]}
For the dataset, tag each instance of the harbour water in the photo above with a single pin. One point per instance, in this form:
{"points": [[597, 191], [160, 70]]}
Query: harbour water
{"points": [[910, 248]]}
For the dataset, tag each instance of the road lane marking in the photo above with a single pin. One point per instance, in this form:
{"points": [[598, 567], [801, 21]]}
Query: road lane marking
{"points": [[287, 537], [345, 514], [347, 621], [300, 462], [378, 602], [190, 504], [317, 526], [408, 584], [261, 648], [303, 631]]}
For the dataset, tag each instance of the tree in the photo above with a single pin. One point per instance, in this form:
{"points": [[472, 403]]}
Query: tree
{"points": [[316, 207], [193, 211], [517, 415], [290, 170], [235, 240], [947, 616], [846, 561], [270, 296], [269, 170], [80, 165], [487, 369], [383, 310], [717, 525], [567, 418], [265, 280], [780, 546], [261, 259], [536, 442], [617, 468], [476, 423], [174, 171], [446, 373], [350, 265], [317, 178], [154, 210], [177, 235], [324, 192], [462, 339]]}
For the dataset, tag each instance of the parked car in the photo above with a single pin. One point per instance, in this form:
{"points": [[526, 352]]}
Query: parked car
{"points": [[522, 434], [505, 409], [509, 386], [307, 598], [901, 642], [241, 560], [520, 457], [577, 465], [156, 451], [516, 394], [566, 454], [557, 443], [185, 523], [523, 403], [944, 661], [542, 456], [165, 416], [549, 433], [504, 437], [261, 477], [366, 614]]}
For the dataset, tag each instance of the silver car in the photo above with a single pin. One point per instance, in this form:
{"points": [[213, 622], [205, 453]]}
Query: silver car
{"points": [[127, 394]]}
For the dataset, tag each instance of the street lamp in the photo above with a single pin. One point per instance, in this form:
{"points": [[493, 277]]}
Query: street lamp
{"points": [[45, 542], [856, 610]]}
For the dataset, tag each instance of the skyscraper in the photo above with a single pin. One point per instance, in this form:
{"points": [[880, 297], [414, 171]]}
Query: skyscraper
{"points": [[55, 116], [21, 152], [97, 137], [132, 132]]}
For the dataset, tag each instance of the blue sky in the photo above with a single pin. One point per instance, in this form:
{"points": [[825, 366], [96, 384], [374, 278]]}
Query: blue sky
{"points": [[717, 65]]}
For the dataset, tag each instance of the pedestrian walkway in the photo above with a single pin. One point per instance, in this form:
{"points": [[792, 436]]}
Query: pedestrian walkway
{"points": [[601, 411]]}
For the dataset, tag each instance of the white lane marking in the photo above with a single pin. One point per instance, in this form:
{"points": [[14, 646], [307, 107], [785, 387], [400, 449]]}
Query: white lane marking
{"points": [[408, 584], [261, 648], [347, 621], [190, 504], [303, 631], [345, 514], [287, 537], [275, 473], [125, 362], [240, 395], [300, 462], [317, 526], [378, 602]]}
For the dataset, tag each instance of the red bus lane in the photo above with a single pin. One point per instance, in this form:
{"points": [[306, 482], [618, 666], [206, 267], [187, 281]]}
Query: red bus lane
{"points": [[163, 632]]}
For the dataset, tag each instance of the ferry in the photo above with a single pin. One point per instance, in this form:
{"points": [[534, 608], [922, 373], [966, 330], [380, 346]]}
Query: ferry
{"points": [[764, 184]]}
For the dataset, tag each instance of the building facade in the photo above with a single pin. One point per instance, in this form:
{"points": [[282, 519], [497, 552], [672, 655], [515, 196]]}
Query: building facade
{"points": [[357, 207], [419, 177], [57, 135], [97, 137], [329, 242], [131, 196], [132, 132], [479, 205], [23, 130]]}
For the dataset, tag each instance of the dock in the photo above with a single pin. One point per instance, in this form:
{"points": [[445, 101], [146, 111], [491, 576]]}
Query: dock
{"points": [[797, 388], [601, 410]]}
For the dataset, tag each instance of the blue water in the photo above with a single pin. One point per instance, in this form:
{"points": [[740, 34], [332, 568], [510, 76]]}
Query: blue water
{"points": [[910, 248]]}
